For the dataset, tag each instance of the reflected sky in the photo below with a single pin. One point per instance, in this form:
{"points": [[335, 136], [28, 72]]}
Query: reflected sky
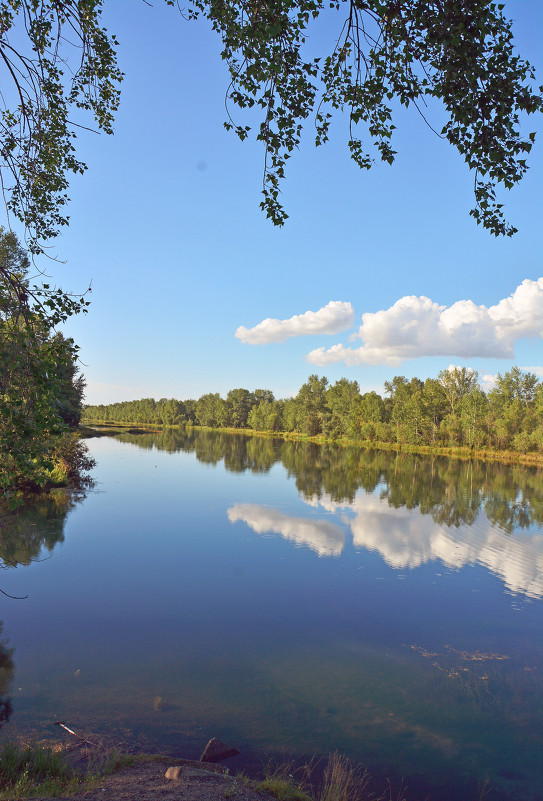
{"points": [[323, 537], [282, 596], [405, 538]]}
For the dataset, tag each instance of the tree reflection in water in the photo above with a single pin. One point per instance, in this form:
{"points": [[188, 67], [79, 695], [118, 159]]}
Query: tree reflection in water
{"points": [[411, 509], [453, 492], [34, 528], [27, 534]]}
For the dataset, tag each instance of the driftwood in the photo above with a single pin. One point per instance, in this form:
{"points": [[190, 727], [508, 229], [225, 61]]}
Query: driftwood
{"points": [[81, 741]]}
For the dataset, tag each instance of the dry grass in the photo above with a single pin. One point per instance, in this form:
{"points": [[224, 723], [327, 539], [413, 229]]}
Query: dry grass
{"points": [[340, 780]]}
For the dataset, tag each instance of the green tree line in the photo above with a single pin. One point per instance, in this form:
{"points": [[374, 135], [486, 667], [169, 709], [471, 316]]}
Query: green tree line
{"points": [[448, 411], [60, 64]]}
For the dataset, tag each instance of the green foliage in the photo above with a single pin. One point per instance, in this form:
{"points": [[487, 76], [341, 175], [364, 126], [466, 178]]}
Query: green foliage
{"points": [[457, 382], [266, 416], [514, 385], [343, 401], [40, 390], [211, 410], [239, 403], [387, 54], [60, 69], [59, 66], [34, 770], [451, 411]]}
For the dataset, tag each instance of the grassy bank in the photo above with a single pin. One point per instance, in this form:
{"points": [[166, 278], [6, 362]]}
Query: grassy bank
{"points": [[32, 771], [28, 771], [462, 453]]}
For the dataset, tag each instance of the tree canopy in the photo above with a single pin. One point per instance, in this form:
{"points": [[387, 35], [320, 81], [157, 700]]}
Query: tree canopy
{"points": [[450, 411], [388, 52], [57, 61], [41, 391], [60, 72]]}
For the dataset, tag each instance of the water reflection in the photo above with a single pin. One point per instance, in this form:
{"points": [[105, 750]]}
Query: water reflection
{"points": [[326, 539], [407, 538], [186, 624], [411, 509], [25, 534], [452, 492], [36, 527]]}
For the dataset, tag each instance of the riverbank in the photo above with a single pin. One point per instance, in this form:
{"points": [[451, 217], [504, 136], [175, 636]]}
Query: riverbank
{"points": [[147, 778], [531, 459], [84, 771]]}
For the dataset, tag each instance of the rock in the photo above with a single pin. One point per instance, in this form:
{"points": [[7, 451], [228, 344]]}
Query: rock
{"points": [[216, 751], [173, 773]]}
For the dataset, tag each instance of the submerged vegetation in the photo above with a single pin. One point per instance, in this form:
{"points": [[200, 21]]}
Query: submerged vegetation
{"points": [[449, 412]]}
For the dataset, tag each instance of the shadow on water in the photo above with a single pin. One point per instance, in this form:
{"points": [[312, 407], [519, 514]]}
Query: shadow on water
{"points": [[28, 534], [6, 675]]}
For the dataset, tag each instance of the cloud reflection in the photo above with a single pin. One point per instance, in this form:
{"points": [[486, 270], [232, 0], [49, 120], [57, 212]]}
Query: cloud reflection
{"points": [[406, 539], [326, 539]]}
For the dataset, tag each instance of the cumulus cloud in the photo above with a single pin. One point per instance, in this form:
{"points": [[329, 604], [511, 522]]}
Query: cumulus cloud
{"points": [[331, 319], [488, 382], [417, 326]]}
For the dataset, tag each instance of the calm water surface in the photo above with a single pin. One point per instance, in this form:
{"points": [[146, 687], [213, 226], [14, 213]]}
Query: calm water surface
{"points": [[288, 596]]}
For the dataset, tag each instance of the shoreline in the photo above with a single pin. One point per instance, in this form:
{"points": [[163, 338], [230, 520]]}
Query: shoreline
{"points": [[464, 454], [86, 771]]}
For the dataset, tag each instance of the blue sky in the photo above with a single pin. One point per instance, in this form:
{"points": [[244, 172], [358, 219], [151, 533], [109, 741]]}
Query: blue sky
{"points": [[167, 226]]}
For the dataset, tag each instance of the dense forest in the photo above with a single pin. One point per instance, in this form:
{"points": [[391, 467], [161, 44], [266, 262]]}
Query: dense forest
{"points": [[448, 411], [41, 388]]}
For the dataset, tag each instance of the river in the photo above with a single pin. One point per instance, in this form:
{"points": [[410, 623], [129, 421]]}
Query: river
{"points": [[285, 596]]}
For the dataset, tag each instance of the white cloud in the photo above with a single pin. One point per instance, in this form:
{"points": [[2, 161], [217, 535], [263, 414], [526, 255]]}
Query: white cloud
{"points": [[326, 539], [537, 370], [417, 326], [335, 317], [488, 382]]}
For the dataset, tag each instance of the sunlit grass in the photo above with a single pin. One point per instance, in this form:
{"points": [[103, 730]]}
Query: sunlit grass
{"points": [[284, 782]]}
